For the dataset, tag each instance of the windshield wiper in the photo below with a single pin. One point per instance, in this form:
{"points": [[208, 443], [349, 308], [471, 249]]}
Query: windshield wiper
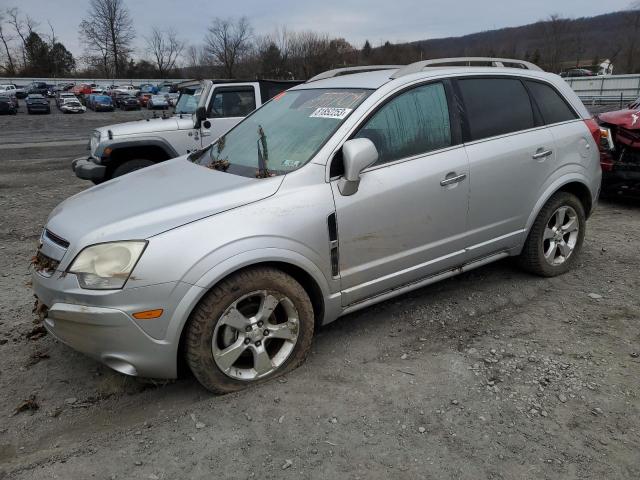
{"points": [[197, 154]]}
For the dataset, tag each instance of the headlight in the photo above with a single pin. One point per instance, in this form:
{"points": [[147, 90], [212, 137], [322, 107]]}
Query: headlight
{"points": [[107, 266]]}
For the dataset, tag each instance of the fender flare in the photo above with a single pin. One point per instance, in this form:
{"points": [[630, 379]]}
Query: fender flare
{"points": [[116, 145]]}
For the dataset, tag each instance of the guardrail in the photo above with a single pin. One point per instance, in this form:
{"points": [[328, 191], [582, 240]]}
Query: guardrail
{"points": [[621, 99]]}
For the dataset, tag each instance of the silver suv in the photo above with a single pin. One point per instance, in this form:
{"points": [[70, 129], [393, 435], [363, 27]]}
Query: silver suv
{"points": [[357, 186]]}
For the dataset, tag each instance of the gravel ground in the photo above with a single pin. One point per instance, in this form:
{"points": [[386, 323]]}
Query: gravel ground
{"points": [[492, 374]]}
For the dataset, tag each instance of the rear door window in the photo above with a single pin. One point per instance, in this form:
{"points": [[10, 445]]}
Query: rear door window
{"points": [[232, 102], [495, 106], [414, 122], [552, 106]]}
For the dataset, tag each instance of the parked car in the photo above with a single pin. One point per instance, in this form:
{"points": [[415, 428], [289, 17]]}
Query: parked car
{"points": [[72, 105], [8, 89], [11, 96], [143, 98], [118, 149], [620, 151], [61, 95], [37, 103], [339, 193], [157, 102], [82, 89], [172, 98], [7, 105], [130, 89], [149, 88], [40, 88], [18, 91], [577, 72], [100, 103], [128, 102]]}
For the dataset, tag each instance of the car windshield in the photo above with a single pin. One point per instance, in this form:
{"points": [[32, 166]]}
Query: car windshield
{"points": [[284, 134], [189, 99]]}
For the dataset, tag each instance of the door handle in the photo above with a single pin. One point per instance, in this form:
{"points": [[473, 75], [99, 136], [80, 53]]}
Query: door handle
{"points": [[541, 154], [451, 180], [205, 133]]}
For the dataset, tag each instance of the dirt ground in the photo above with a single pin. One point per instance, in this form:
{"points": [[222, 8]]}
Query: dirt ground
{"points": [[493, 374]]}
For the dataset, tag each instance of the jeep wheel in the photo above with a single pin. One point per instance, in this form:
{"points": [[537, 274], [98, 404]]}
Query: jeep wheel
{"points": [[254, 326], [131, 166], [556, 237]]}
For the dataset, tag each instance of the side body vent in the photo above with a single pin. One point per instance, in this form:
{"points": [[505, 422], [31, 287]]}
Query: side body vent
{"points": [[333, 244]]}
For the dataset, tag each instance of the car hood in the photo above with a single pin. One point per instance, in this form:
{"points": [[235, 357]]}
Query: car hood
{"points": [[629, 119], [153, 200], [149, 125]]}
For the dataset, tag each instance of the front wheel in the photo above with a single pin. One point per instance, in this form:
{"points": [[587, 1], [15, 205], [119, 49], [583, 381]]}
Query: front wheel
{"points": [[131, 166], [555, 240], [253, 326]]}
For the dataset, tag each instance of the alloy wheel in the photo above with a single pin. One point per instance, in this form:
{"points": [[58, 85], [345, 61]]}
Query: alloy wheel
{"points": [[255, 335], [560, 235]]}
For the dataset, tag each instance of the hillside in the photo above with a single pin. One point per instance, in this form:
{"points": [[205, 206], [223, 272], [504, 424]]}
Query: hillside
{"points": [[555, 44]]}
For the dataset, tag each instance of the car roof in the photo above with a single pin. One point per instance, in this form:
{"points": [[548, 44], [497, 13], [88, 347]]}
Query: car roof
{"points": [[378, 78], [370, 80]]}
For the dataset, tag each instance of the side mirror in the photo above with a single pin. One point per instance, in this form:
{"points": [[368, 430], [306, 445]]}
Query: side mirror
{"points": [[357, 155], [201, 114]]}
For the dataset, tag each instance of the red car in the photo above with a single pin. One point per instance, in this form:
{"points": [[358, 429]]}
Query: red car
{"points": [[620, 150], [82, 89], [143, 98]]}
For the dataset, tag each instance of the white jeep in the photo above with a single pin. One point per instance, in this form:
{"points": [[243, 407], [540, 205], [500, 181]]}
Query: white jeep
{"points": [[205, 111]]}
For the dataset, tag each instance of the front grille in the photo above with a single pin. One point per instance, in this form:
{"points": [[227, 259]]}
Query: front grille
{"points": [[61, 242]]}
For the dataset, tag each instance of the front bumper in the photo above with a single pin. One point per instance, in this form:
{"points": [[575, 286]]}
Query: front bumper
{"points": [[99, 323], [86, 169], [38, 108]]}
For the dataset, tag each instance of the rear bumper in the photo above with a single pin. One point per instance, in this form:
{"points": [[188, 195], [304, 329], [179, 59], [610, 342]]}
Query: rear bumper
{"points": [[87, 170]]}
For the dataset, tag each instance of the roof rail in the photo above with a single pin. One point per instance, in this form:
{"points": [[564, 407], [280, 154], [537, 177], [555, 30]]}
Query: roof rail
{"points": [[465, 62], [348, 70]]}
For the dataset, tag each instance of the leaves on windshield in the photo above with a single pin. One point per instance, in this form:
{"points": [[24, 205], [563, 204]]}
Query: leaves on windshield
{"points": [[263, 155], [221, 165]]}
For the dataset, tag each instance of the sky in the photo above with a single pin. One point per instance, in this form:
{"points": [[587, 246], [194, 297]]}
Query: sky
{"points": [[357, 21]]}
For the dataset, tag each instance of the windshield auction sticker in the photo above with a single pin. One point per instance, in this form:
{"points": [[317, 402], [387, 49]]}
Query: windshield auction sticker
{"points": [[331, 112]]}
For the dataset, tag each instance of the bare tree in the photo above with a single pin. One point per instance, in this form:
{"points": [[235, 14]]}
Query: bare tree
{"points": [[553, 31], [108, 32], [10, 69], [23, 27], [228, 41], [165, 48]]}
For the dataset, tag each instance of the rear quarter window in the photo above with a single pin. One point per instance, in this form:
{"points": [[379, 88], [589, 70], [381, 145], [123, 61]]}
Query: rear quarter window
{"points": [[553, 107], [495, 106]]}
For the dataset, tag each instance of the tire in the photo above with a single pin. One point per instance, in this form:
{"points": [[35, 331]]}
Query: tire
{"points": [[250, 290], [131, 166], [564, 232]]}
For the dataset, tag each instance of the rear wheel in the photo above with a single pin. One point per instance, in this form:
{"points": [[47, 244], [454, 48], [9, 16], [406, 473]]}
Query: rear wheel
{"points": [[555, 240], [253, 326], [131, 166]]}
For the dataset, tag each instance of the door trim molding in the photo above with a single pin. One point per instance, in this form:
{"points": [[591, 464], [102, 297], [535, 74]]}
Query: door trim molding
{"points": [[424, 282]]}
